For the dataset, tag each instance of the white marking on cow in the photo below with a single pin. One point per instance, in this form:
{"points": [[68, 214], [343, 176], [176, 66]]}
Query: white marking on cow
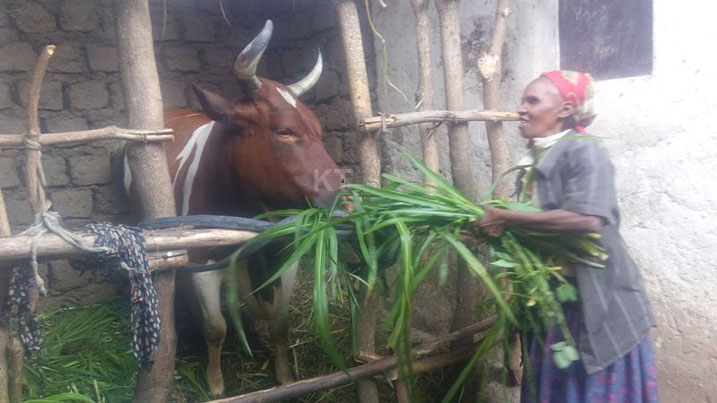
{"points": [[127, 174], [196, 142], [287, 97]]}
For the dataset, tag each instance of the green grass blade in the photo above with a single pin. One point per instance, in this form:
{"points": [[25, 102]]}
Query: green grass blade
{"points": [[321, 304], [478, 268]]}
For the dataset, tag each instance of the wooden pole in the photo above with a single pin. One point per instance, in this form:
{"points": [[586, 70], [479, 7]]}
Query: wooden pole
{"points": [[106, 133], [370, 163], [424, 93], [159, 240], [411, 118], [460, 146], [12, 356], [140, 83], [489, 65], [424, 100], [5, 341], [490, 68], [459, 142], [359, 372], [36, 195]]}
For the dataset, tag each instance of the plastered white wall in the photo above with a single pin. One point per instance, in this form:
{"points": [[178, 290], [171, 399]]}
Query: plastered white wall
{"points": [[663, 139]]}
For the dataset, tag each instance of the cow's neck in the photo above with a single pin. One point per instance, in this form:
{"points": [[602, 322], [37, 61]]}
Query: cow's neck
{"points": [[228, 194]]}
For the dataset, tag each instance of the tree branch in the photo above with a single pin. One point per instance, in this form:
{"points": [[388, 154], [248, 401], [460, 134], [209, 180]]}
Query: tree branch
{"points": [[438, 116], [33, 130], [366, 370]]}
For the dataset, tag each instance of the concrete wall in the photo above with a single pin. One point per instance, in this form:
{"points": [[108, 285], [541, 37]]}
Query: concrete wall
{"points": [[193, 44], [662, 140]]}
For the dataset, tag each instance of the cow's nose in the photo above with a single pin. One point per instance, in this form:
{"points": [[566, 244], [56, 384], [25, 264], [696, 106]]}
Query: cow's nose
{"points": [[324, 199]]}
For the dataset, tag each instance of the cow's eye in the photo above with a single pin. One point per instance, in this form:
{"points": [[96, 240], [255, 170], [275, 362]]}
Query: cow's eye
{"points": [[285, 133]]}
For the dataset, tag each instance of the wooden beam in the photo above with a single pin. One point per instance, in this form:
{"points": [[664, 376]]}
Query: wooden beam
{"points": [[151, 181], [411, 118], [160, 240], [106, 133]]}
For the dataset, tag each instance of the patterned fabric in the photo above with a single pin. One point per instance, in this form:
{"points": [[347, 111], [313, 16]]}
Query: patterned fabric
{"points": [[578, 88], [18, 297], [129, 251], [126, 248], [630, 379]]}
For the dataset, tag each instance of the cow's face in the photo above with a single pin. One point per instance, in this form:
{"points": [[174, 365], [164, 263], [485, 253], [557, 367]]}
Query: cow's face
{"points": [[274, 145], [272, 140]]}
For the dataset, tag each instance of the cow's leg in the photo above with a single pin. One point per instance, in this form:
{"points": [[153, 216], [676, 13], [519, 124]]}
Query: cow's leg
{"points": [[275, 311], [279, 325], [207, 286]]}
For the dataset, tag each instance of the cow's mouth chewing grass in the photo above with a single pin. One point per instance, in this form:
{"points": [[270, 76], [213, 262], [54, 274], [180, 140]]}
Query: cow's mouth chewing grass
{"points": [[416, 226]]}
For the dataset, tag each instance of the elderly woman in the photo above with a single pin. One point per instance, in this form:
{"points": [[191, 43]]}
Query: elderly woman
{"points": [[570, 177]]}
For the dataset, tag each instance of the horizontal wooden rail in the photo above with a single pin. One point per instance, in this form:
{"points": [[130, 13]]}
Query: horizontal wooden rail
{"points": [[105, 133], [52, 246], [411, 118], [371, 368]]}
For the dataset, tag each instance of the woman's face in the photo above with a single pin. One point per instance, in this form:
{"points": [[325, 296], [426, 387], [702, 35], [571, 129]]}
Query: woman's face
{"points": [[542, 109]]}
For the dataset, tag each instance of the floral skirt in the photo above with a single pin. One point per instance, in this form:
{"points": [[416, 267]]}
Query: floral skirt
{"points": [[630, 379]]}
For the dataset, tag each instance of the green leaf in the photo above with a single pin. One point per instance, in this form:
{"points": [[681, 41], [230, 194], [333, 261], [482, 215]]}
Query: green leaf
{"points": [[503, 263], [321, 304], [478, 268], [560, 360], [559, 345], [567, 292], [571, 353]]}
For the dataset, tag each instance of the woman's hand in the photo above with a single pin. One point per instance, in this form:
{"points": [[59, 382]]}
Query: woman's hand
{"points": [[492, 223]]}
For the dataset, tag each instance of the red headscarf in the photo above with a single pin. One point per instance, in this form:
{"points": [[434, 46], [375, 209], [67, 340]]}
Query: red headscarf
{"points": [[578, 88]]}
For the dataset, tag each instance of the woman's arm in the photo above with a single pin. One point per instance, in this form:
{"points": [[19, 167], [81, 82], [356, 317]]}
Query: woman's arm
{"points": [[495, 220]]}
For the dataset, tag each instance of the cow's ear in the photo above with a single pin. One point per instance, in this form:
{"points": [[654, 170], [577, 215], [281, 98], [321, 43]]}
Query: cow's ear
{"points": [[214, 105]]}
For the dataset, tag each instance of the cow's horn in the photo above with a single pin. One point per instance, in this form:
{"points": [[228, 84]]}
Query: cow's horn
{"points": [[310, 80], [248, 59]]}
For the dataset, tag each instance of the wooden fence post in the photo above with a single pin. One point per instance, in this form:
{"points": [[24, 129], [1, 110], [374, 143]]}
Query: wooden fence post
{"points": [[370, 167], [424, 93], [460, 146], [5, 273], [140, 83], [490, 66]]}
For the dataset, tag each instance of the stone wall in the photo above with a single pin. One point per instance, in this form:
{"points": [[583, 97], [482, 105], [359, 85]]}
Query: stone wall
{"points": [[196, 41]]}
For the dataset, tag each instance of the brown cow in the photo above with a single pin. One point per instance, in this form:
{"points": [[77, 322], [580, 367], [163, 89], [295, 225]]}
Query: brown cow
{"points": [[261, 153]]}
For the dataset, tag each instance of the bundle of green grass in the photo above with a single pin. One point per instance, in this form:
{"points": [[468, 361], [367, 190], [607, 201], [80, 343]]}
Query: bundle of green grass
{"points": [[415, 226]]}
